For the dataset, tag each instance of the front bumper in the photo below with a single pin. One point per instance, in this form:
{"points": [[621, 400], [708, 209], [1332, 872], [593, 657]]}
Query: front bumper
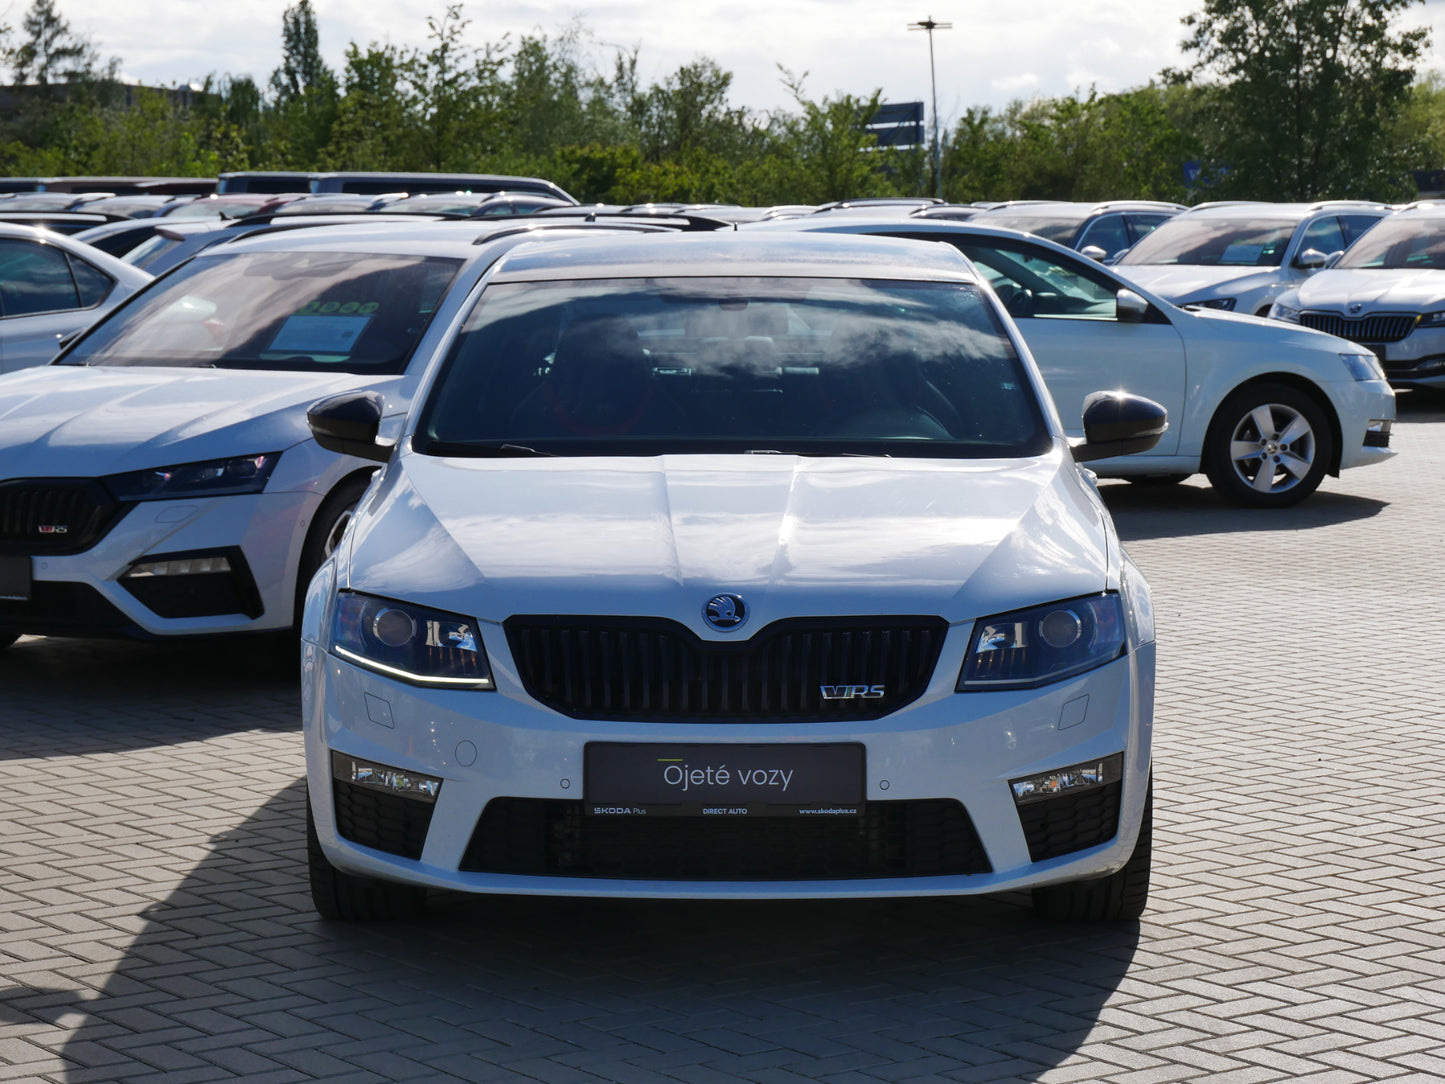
{"points": [[500, 753], [88, 594]]}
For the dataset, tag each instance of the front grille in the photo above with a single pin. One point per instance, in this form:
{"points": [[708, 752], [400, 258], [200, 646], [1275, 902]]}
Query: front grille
{"points": [[650, 668], [1388, 327], [554, 838], [1071, 822], [387, 822], [54, 515]]}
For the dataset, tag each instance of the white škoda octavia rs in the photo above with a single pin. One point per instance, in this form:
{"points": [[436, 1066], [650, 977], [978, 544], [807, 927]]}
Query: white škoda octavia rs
{"points": [[730, 566]]}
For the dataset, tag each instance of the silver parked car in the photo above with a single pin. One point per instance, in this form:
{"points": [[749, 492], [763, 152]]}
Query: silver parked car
{"points": [[50, 287]]}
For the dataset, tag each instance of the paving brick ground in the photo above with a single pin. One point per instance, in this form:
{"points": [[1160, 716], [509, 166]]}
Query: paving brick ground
{"points": [[155, 926]]}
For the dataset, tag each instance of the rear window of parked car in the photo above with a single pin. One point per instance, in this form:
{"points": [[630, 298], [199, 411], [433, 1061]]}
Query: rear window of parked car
{"points": [[37, 278]]}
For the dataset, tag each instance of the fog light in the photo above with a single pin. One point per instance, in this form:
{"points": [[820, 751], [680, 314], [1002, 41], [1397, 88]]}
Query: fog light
{"points": [[366, 773], [1070, 780], [186, 566]]}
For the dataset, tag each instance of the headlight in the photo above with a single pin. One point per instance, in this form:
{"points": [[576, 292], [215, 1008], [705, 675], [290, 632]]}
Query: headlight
{"points": [[1287, 313], [1363, 366], [1028, 648], [411, 643], [1431, 319], [213, 478], [1225, 303]]}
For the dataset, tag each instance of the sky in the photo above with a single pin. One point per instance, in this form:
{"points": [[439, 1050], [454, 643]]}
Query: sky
{"points": [[994, 53]]}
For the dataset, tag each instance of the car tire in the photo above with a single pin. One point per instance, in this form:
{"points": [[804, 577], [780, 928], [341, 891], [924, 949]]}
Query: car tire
{"points": [[1119, 897], [1246, 439], [340, 897]]}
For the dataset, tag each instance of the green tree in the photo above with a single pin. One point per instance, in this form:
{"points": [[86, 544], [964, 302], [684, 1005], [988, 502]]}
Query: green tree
{"points": [[1302, 94], [304, 90], [302, 68], [52, 52], [373, 115], [453, 93], [826, 152]]}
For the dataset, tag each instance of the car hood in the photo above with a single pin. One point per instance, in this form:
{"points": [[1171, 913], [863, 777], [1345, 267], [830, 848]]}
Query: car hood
{"points": [[1378, 289], [80, 421], [1182, 284], [793, 536]]}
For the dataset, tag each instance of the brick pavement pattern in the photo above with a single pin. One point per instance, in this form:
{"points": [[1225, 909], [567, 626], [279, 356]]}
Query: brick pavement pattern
{"points": [[155, 923]]}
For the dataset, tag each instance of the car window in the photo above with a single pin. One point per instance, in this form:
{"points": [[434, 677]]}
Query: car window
{"points": [[295, 311], [1354, 226], [1108, 232], [1323, 235], [1141, 225], [798, 366], [1037, 284], [1058, 226], [1404, 240], [35, 278], [1246, 241], [92, 284]]}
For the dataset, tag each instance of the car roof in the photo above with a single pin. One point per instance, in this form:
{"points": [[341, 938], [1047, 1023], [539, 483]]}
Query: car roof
{"points": [[1423, 209], [466, 237], [886, 224], [736, 253], [1081, 209], [1262, 209]]}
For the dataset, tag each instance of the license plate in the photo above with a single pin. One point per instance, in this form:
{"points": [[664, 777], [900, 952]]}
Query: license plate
{"points": [[14, 577], [723, 780]]}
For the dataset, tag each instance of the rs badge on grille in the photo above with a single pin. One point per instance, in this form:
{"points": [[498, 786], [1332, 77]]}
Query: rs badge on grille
{"points": [[852, 692], [53, 528]]}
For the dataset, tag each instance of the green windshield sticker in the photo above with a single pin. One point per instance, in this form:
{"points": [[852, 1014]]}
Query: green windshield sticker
{"points": [[338, 308]]}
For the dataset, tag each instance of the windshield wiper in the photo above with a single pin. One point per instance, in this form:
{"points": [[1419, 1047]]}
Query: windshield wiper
{"points": [[500, 451]]}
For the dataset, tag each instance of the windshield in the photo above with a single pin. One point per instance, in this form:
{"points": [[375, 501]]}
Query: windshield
{"points": [[1245, 241], [801, 366], [1400, 242], [295, 311], [1056, 226]]}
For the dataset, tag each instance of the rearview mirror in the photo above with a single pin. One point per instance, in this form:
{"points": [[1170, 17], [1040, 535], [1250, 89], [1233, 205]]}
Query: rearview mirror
{"points": [[1311, 259], [348, 424], [1118, 423], [1094, 252], [1130, 308]]}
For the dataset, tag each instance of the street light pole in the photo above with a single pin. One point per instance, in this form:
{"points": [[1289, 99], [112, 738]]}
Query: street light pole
{"points": [[930, 25]]}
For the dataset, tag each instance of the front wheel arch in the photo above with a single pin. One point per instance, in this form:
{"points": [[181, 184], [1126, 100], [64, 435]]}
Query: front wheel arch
{"points": [[343, 497], [1308, 387]]}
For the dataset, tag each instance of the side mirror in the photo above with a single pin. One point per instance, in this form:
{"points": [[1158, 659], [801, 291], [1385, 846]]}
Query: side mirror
{"points": [[1093, 252], [1130, 308], [1311, 259], [1117, 423], [1334, 257], [348, 424]]}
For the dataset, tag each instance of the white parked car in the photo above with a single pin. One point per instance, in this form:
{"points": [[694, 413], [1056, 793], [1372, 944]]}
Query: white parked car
{"points": [[1239, 257], [159, 480], [51, 287], [1387, 293], [730, 566], [1266, 411]]}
